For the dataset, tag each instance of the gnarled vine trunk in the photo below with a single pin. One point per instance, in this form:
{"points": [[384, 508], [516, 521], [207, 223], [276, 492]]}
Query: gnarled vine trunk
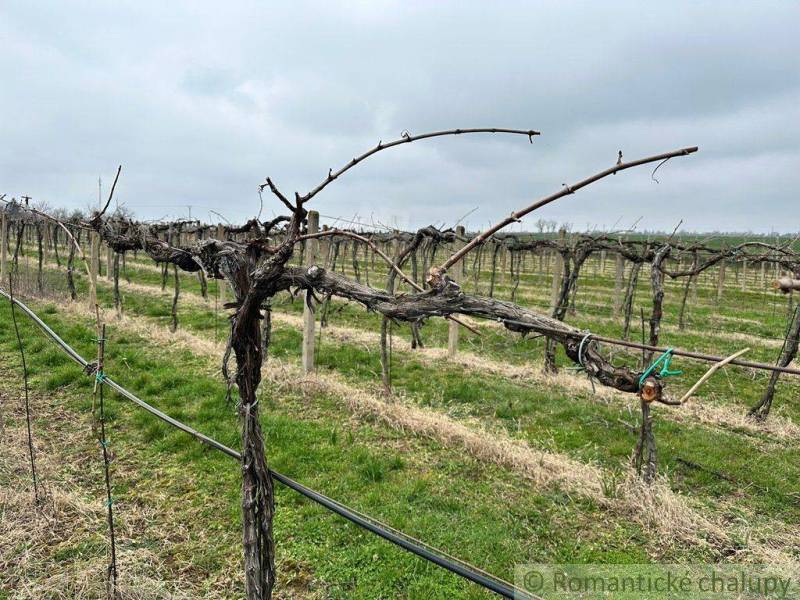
{"points": [[788, 353], [258, 505]]}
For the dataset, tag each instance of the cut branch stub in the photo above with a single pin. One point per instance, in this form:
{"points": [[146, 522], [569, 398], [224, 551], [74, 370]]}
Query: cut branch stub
{"points": [[651, 390], [786, 284]]}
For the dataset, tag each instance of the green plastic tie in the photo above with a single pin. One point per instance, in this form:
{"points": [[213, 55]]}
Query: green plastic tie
{"points": [[665, 371], [108, 503], [100, 377]]}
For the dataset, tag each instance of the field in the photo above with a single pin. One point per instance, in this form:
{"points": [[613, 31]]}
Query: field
{"points": [[482, 455]]}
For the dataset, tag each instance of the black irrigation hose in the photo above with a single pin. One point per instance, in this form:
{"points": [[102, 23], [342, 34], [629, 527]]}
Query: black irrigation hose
{"points": [[499, 587], [437, 557], [118, 388]]}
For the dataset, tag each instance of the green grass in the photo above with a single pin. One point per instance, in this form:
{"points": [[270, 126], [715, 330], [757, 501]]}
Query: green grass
{"points": [[557, 420], [488, 516], [480, 512]]}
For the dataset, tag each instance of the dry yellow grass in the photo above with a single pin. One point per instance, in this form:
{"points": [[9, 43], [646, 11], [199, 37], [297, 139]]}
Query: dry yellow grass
{"points": [[58, 549]]}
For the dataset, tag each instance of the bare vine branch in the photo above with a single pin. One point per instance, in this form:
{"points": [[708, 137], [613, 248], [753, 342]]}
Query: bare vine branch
{"points": [[406, 138], [565, 191], [273, 188], [110, 194]]}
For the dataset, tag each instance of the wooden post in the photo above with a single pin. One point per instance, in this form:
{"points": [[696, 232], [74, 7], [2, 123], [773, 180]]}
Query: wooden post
{"points": [[223, 283], [324, 248], [109, 263], [776, 267], [46, 242], [463, 267], [309, 321], [744, 275], [721, 280], [618, 276], [396, 247], [94, 267], [3, 250], [558, 269], [455, 275]]}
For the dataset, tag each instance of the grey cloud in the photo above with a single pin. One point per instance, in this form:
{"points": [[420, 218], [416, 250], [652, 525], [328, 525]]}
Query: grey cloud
{"points": [[201, 101]]}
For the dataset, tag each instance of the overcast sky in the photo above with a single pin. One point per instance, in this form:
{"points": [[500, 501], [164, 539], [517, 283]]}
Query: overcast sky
{"points": [[201, 101]]}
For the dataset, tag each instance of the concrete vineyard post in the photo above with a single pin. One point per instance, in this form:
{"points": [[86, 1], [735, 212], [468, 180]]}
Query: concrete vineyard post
{"points": [[3, 249], [109, 263], [556, 285], [455, 275], [94, 267], [618, 275], [221, 284], [46, 242], [744, 275], [324, 248], [309, 321]]}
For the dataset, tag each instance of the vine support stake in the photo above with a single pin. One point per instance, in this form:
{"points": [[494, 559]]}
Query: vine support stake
{"points": [[309, 319], [99, 378], [94, 268], [457, 276], [3, 246]]}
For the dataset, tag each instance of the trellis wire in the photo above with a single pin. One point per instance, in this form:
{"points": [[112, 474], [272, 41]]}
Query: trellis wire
{"points": [[696, 355]]}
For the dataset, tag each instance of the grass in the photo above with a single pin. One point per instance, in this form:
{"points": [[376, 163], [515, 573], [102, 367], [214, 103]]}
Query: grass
{"points": [[555, 419], [479, 511], [431, 491]]}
